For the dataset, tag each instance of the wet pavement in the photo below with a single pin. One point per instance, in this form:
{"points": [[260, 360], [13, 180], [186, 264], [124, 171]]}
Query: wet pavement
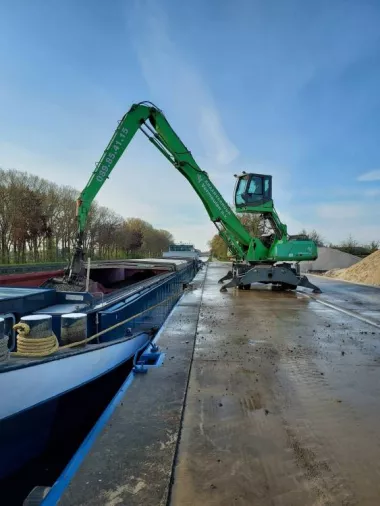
{"points": [[362, 299], [283, 402], [264, 399]]}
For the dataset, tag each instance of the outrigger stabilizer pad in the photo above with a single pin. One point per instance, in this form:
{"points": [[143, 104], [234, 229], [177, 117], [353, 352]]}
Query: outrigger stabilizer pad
{"points": [[229, 275]]}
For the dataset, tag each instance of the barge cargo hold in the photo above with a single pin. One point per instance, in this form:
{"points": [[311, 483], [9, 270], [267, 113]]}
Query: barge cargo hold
{"points": [[263, 399], [124, 320]]}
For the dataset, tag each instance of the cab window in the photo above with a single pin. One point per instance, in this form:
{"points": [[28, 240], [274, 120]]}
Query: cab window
{"points": [[241, 189], [256, 186]]}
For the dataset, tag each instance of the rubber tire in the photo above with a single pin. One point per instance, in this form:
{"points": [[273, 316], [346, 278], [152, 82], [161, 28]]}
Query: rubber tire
{"points": [[244, 287]]}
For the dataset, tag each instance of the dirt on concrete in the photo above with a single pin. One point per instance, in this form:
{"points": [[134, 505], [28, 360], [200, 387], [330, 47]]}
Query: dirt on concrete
{"points": [[282, 406], [366, 271]]}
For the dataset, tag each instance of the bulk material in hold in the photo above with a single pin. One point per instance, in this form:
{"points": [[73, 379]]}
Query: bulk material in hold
{"points": [[73, 327], [40, 325]]}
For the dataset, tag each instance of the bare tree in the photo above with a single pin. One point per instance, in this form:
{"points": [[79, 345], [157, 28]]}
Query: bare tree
{"points": [[252, 223], [38, 223], [314, 236]]}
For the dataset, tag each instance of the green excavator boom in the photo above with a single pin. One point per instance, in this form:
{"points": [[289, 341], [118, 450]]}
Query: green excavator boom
{"points": [[151, 121]]}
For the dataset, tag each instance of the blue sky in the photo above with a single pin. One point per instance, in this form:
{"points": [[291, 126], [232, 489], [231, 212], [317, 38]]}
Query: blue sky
{"points": [[289, 88]]}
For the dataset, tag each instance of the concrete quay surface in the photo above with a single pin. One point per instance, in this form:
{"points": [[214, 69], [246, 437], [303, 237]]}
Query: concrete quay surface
{"points": [[264, 398]]}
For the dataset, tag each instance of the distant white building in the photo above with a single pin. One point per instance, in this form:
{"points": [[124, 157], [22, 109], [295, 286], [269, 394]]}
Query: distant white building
{"points": [[181, 251]]}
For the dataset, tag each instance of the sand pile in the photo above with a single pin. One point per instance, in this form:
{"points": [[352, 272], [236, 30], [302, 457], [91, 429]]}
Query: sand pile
{"points": [[366, 271]]}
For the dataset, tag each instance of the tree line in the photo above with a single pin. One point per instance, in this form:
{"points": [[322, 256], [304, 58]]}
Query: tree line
{"points": [[218, 248], [38, 224]]}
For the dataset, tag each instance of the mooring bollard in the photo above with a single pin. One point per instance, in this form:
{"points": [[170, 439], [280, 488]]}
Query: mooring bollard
{"points": [[4, 352], [73, 328], [40, 325], [2, 328]]}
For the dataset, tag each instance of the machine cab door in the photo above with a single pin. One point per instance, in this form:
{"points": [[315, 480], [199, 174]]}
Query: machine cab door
{"points": [[253, 190]]}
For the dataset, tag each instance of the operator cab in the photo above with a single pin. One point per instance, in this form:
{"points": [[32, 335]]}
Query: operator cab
{"points": [[252, 190]]}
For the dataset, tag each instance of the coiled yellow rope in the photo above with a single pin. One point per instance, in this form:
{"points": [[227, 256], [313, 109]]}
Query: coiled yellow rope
{"points": [[33, 347]]}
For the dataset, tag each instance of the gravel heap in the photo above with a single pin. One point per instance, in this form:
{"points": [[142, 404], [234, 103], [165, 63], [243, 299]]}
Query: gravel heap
{"points": [[366, 271]]}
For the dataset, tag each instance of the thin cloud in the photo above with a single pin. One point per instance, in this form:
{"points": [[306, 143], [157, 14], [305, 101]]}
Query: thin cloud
{"points": [[340, 211], [375, 192], [336, 221], [176, 82], [373, 175]]}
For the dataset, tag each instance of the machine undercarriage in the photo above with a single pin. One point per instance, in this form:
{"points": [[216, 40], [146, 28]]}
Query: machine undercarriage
{"points": [[282, 276]]}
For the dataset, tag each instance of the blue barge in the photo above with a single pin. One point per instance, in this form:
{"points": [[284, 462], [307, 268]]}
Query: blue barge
{"points": [[29, 383]]}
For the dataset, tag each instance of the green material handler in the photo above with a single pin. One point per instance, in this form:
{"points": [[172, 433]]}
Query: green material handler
{"points": [[271, 258]]}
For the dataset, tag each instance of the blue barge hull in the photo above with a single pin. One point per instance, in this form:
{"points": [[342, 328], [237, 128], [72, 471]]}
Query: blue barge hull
{"points": [[38, 383]]}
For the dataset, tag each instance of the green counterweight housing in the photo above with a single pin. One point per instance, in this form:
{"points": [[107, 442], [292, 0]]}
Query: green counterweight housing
{"points": [[256, 258]]}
